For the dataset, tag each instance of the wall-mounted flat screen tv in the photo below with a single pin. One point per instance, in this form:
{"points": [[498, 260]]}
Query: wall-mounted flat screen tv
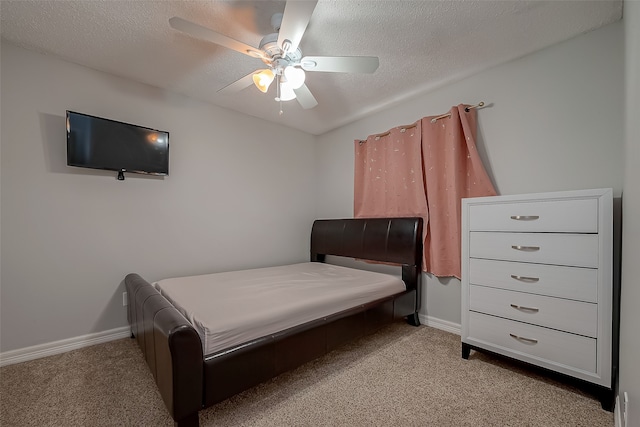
{"points": [[98, 143]]}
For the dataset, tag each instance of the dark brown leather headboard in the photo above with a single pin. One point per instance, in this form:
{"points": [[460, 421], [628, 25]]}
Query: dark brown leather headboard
{"points": [[393, 240]]}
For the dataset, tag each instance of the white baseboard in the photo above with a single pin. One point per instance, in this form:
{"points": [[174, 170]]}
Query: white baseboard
{"points": [[62, 346], [617, 417], [445, 325]]}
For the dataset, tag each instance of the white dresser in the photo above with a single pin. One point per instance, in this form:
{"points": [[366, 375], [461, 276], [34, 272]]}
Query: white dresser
{"points": [[537, 275]]}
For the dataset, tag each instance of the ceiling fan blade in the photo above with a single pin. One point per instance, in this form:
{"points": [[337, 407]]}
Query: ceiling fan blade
{"points": [[203, 33], [340, 64], [295, 19], [305, 97], [239, 84]]}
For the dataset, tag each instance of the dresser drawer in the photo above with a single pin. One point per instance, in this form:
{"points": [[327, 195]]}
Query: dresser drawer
{"points": [[580, 250], [569, 216], [565, 315], [533, 341], [558, 281]]}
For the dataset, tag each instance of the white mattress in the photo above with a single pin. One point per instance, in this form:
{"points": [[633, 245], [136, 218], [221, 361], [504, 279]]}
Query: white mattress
{"points": [[235, 307]]}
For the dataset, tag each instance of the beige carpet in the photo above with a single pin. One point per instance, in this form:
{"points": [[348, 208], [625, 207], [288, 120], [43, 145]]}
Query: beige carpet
{"points": [[401, 376]]}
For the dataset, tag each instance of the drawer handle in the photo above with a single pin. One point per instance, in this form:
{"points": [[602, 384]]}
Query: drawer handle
{"points": [[526, 340], [525, 217], [526, 248], [525, 278], [523, 308]]}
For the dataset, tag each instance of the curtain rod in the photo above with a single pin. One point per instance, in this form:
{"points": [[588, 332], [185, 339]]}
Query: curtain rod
{"points": [[467, 108], [435, 119]]}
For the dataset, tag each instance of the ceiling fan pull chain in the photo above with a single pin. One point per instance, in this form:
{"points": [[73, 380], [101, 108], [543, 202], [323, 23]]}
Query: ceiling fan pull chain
{"points": [[278, 97]]}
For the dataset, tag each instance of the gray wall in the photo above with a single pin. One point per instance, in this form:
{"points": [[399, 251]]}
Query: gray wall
{"points": [[238, 195], [630, 315], [554, 121]]}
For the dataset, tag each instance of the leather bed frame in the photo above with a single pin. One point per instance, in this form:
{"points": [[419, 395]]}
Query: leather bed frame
{"points": [[189, 381]]}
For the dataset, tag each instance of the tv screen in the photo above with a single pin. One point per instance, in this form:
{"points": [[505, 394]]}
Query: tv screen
{"points": [[97, 143]]}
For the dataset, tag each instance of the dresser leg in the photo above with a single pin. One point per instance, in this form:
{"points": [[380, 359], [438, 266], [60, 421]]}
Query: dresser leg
{"points": [[607, 399], [466, 350]]}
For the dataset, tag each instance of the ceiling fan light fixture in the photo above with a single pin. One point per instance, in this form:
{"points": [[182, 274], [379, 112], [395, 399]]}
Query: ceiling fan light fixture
{"points": [[263, 79], [295, 76], [286, 92]]}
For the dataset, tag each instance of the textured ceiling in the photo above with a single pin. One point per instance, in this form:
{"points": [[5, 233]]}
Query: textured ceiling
{"points": [[421, 44]]}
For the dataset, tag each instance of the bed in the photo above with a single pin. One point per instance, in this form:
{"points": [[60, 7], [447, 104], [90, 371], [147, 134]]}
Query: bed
{"points": [[199, 358]]}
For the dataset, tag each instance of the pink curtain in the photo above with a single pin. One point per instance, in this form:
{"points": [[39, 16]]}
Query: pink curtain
{"points": [[453, 170], [389, 176], [424, 171]]}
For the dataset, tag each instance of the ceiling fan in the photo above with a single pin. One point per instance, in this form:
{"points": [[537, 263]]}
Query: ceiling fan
{"points": [[280, 52]]}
